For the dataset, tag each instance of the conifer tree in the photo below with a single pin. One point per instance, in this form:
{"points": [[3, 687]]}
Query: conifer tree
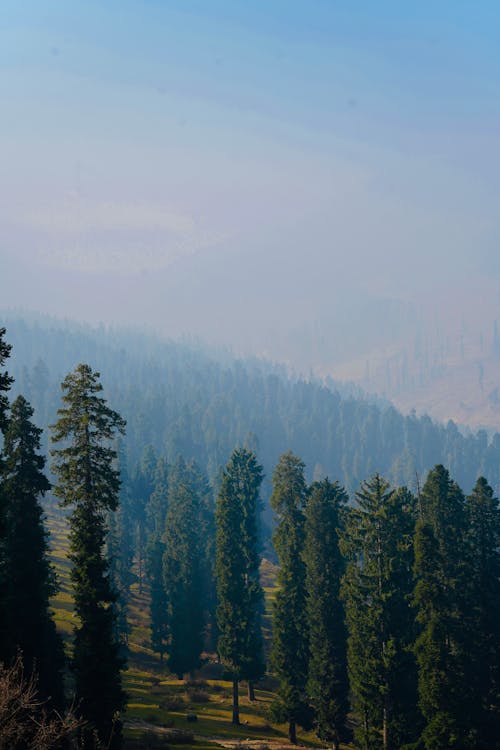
{"points": [[30, 579], [444, 684], [328, 684], [5, 383], [182, 572], [378, 588], [89, 483], [483, 536], [240, 594], [156, 512], [142, 485], [120, 549], [5, 380], [290, 654]]}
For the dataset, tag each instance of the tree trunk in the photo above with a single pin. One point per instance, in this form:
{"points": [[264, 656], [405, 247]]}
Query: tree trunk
{"points": [[292, 732], [236, 706], [251, 691]]}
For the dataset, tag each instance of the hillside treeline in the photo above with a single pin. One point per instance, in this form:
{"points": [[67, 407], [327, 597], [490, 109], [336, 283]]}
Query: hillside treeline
{"points": [[183, 401], [385, 624]]}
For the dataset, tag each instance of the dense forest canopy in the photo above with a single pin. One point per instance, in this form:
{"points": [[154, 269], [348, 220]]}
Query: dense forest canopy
{"points": [[182, 399]]}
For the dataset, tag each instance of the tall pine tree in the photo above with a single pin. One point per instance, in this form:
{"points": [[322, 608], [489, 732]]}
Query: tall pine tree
{"points": [[240, 594], [328, 684], [5, 383], [378, 589], [483, 536], [89, 483], [30, 578], [290, 653], [182, 577], [441, 601]]}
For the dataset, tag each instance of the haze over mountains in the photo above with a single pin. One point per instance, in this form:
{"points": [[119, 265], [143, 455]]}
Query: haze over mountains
{"points": [[315, 184]]}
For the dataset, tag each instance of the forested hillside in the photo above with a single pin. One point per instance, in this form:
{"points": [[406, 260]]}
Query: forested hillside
{"points": [[181, 399]]}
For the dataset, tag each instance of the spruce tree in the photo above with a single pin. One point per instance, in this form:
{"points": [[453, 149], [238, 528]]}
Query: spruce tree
{"points": [[483, 537], [290, 653], [441, 602], [328, 684], [5, 380], [156, 512], [240, 594], [89, 483], [5, 383], [182, 572], [30, 579], [378, 588], [120, 550], [158, 608]]}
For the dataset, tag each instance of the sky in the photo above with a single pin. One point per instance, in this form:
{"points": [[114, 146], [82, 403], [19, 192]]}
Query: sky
{"points": [[237, 170]]}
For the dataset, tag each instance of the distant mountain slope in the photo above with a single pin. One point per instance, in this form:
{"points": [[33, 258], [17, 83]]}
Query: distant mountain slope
{"points": [[181, 399]]}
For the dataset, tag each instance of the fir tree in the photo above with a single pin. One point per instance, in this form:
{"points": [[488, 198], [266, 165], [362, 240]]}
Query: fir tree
{"points": [[290, 653], [156, 512], [155, 552], [240, 594], [483, 536], [328, 684], [142, 486], [5, 383], [440, 598], [30, 579], [120, 549], [378, 588], [89, 482], [182, 572]]}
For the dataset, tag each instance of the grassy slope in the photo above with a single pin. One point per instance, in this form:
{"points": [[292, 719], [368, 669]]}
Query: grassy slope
{"points": [[158, 705]]}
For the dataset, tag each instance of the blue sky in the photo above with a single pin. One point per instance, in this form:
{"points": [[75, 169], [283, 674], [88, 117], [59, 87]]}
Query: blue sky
{"points": [[355, 140]]}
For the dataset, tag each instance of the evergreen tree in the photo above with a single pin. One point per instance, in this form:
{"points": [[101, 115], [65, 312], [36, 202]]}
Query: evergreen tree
{"points": [[143, 484], [328, 684], [120, 549], [155, 552], [240, 594], [30, 579], [483, 534], [156, 512], [182, 572], [290, 654], [89, 482], [440, 597], [378, 588], [156, 508], [5, 383]]}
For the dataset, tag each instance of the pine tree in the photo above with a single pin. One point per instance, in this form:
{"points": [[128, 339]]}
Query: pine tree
{"points": [[240, 594], [158, 609], [182, 572], [89, 482], [483, 536], [378, 588], [5, 383], [156, 512], [143, 484], [440, 598], [30, 579], [290, 654], [328, 684], [120, 550]]}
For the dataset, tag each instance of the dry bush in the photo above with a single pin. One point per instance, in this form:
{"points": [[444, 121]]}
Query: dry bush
{"points": [[25, 720]]}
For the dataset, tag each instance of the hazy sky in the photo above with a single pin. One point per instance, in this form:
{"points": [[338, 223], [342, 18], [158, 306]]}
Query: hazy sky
{"points": [[227, 165]]}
